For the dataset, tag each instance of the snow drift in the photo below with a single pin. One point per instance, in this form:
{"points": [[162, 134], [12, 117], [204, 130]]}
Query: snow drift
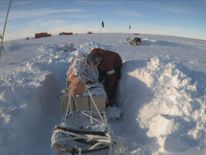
{"points": [[168, 100]]}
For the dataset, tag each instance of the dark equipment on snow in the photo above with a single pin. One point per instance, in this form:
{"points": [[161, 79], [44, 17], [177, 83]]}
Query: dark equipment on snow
{"points": [[134, 41]]}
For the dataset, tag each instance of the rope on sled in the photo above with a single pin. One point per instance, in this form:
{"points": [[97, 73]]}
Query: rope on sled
{"points": [[95, 106]]}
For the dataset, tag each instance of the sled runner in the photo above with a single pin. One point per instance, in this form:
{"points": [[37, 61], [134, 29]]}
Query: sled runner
{"points": [[85, 127]]}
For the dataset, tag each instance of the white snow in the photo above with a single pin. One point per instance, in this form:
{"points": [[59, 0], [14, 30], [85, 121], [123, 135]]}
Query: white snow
{"points": [[162, 93]]}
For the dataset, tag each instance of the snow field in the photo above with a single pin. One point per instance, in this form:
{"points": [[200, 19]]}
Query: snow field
{"points": [[161, 92]]}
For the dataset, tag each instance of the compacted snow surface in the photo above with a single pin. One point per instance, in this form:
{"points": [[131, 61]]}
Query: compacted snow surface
{"points": [[162, 93]]}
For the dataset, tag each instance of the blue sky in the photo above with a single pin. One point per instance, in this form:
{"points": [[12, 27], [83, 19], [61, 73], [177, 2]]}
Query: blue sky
{"points": [[185, 18]]}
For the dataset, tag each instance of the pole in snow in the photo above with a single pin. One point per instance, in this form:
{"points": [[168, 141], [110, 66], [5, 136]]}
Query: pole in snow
{"points": [[4, 29], [102, 26], [130, 28]]}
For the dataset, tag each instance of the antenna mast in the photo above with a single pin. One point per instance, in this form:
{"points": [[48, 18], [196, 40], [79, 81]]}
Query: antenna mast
{"points": [[5, 22]]}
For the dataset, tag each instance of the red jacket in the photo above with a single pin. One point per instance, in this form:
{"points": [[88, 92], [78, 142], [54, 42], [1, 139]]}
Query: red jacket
{"points": [[109, 70], [110, 60]]}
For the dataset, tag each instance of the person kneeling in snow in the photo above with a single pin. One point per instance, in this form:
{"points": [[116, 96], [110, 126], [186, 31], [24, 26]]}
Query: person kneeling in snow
{"points": [[109, 65]]}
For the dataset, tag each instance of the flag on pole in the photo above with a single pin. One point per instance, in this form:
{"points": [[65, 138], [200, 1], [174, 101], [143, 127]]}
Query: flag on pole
{"points": [[103, 24]]}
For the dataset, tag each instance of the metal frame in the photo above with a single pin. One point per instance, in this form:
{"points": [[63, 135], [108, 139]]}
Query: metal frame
{"points": [[93, 140]]}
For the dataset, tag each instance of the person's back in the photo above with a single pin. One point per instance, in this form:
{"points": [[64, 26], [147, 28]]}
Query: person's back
{"points": [[110, 59]]}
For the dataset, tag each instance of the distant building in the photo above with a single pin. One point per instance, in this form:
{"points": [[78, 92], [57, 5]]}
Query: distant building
{"points": [[66, 33], [42, 34], [89, 32]]}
